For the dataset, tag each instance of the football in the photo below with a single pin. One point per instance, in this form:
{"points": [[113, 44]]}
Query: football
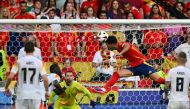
{"points": [[102, 36]]}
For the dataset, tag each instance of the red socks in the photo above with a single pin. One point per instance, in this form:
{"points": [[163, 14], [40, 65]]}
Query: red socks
{"points": [[160, 81], [112, 80]]}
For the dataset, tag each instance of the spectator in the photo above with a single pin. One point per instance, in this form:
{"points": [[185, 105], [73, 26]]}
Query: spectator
{"points": [[104, 62], [29, 5], [91, 13], [13, 8], [52, 15], [37, 8], [5, 14], [104, 5], [180, 6], [172, 2], [52, 4], [24, 14], [103, 15], [83, 15], [92, 3], [155, 12], [81, 45], [128, 8], [68, 67], [70, 12], [115, 11], [74, 4], [130, 15], [188, 13]]}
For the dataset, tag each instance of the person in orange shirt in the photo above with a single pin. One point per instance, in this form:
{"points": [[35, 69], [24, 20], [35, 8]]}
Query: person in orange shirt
{"points": [[137, 61]]}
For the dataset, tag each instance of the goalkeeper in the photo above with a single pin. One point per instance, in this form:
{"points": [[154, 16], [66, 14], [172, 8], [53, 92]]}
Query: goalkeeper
{"points": [[67, 91]]}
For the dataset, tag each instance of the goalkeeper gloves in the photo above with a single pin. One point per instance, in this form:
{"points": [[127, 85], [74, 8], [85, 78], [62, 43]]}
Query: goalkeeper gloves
{"points": [[92, 103]]}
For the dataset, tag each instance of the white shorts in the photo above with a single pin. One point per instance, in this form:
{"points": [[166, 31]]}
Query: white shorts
{"points": [[28, 104], [178, 105]]}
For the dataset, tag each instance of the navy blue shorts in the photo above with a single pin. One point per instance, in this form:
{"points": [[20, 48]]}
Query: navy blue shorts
{"points": [[142, 69]]}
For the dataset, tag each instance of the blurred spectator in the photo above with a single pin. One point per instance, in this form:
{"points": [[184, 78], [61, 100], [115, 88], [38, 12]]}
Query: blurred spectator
{"points": [[92, 3], [81, 45], [52, 15], [91, 13], [60, 4], [37, 8], [13, 8], [180, 6], [115, 11], [188, 13], [5, 14], [83, 15], [69, 12], [68, 67], [134, 3], [104, 62], [29, 5], [155, 12], [128, 8], [4, 3], [103, 15], [52, 4], [130, 15], [24, 14], [104, 5], [74, 4], [172, 2]]}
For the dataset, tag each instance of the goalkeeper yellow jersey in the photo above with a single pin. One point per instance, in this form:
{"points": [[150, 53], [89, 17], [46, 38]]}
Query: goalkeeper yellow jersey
{"points": [[70, 98], [3, 65]]}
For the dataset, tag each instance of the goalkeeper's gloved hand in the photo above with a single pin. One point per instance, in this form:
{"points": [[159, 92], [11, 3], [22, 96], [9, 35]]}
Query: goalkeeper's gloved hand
{"points": [[92, 103]]}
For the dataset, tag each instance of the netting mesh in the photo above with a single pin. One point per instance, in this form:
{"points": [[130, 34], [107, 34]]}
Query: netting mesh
{"points": [[79, 43]]}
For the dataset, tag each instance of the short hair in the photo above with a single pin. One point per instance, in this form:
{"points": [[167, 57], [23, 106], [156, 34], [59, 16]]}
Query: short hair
{"points": [[67, 59], [111, 40], [22, 2], [29, 47], [54, 68], [182, 57]]}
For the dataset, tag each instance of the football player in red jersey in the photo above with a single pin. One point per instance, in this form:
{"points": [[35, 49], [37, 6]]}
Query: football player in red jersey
{"points": [[136, 59]]}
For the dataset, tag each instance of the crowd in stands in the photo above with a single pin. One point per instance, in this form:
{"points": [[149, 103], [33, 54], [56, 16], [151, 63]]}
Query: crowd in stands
{"points": [[94, 9]]}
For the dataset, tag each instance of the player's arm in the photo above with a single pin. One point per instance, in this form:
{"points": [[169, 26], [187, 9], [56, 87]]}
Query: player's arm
{"points": [[51, 98], [86, 93], [167, 85], [45, 80], [14, 71], [125, 49]]}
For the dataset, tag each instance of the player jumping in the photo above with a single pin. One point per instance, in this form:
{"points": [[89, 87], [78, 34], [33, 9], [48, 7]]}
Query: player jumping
{"points": [[137, 61]]}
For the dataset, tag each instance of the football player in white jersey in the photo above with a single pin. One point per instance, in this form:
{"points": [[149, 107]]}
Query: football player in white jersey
{"points": [[53, 79], [36, 53], [29, 68], [178, 82]]}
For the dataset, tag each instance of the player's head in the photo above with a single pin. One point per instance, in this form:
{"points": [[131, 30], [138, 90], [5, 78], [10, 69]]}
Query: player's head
{"points": [[69, 77], [182, 58], [29, 47], [112, 42], [54, 68]]}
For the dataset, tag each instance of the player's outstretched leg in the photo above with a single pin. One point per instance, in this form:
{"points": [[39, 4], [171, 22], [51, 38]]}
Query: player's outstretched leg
{"points": [[157, 78], [116, 75]]}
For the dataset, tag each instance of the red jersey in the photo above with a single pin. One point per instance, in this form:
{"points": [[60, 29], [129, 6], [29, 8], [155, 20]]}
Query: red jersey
{"points": [[25, 16], [133, 55], [88, 3]]}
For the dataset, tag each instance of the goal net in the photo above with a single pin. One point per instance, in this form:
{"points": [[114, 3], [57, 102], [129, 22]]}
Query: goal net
{"points": [[77, 40]]}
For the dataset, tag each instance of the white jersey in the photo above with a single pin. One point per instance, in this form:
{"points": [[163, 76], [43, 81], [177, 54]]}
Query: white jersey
{"points": [[51, 77], [180, 79], [98, 59], [186, 49], [37, 53], [29, 69]]}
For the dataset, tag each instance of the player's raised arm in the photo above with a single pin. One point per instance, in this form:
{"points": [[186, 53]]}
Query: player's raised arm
{"points": [[125, 49], [167, 85]]}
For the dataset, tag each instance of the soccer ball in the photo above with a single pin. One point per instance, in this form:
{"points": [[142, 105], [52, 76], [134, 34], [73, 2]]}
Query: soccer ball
{"points": [[102, 36]]}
